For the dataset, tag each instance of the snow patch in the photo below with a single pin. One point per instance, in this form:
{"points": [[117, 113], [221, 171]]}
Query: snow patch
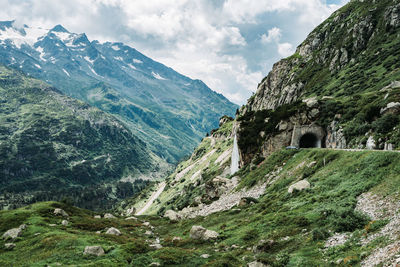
{"points": [[94, 72], [42, 54], [115, 47], [137, 61], [37, 66], [66, 72], [131, 66], [88, 60], [119, 58], [157, 76]]}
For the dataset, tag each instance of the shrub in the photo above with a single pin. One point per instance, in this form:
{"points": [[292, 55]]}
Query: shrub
{"points": [[348, 220]]}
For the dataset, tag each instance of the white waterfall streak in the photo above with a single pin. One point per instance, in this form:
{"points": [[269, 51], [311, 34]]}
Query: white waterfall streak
{"points": [[235, 156]]}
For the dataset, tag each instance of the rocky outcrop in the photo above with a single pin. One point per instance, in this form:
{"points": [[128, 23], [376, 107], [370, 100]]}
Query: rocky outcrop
{"points": [[335, 137], [201, 233]]}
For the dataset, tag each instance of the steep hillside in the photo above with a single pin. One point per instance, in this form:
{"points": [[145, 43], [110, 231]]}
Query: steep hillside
{"points": [[53, 147], [167, 110], [346, 72]]}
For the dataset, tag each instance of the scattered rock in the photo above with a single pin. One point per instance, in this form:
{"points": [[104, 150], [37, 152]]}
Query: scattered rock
{"points": [[131, 218], [9, 246], [392, 107], [263, 246], [336, 240], [97, 216], [98, 232], [301, 185], [205, 256], [60, 212], [130, 211], [109, 216], [172, 215], [113, 231], [199, 232], [64, 222], [234, 246], [94, 250], [155, 264], [256, 264], [146, 224]]}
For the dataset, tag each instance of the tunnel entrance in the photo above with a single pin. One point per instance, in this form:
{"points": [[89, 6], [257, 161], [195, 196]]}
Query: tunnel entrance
{"points": [[309, 140]]}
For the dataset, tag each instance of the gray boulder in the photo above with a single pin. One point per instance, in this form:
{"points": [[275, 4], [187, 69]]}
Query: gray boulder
{"points": [[94, 250], [201, 233], [64, 222], [301, 185], [60, 212], [256, 264], [14, 233], [109, 216], [113, 231]]}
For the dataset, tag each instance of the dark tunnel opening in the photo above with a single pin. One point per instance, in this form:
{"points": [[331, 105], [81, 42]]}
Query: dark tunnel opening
{"points": [[309, 140]]}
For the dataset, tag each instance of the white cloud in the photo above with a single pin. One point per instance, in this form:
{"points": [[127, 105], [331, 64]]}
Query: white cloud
{"points": [[274, 35], [285, 49]]}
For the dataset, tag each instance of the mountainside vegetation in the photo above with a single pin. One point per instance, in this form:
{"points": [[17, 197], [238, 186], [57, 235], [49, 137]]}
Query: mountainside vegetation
{"points": [[53, 147]]}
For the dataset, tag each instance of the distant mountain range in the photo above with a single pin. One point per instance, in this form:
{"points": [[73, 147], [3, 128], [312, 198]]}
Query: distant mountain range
{"points": [[167, 110]]}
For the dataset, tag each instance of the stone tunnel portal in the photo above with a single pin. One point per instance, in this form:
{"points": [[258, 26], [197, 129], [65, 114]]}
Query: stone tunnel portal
{"points": [[308, 136]]}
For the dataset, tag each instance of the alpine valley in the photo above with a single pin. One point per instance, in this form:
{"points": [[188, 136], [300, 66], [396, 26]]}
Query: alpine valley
{"points": [[307, 173]]}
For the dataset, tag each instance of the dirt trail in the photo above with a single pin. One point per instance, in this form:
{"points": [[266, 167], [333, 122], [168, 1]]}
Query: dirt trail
{"points": [[153, 197]]}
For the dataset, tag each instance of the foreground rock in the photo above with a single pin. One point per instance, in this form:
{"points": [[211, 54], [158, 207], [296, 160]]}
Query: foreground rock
{"points": [[94, 250], [113, 231], [60, 212], [201, 233], [64, 222], [299, 186], [172, 216], [14, 233]]}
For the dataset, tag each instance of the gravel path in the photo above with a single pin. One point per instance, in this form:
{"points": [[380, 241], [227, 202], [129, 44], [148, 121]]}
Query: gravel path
{"points": [[153, 197]]}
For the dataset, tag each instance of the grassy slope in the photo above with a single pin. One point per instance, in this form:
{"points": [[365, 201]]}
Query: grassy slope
{"points": [[298, 223]]}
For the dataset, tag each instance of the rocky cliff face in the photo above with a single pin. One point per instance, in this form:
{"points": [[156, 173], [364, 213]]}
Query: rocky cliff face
{"points": [[344, 64]]}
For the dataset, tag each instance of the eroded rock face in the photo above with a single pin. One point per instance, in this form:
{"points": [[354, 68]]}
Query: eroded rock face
{"points": [[392, 16], [335, 136], [201, 233], [94, 250]]}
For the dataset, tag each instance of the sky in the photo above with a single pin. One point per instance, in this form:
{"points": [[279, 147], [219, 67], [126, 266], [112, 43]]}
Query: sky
{"points": [[229, 44]]}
